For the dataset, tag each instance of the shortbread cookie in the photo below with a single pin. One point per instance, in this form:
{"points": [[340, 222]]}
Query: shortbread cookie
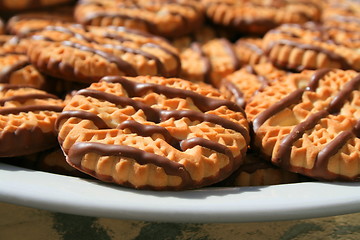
{"points": [[19, 5], [243, 84], [311, 46], [257, 17], [153, 132], [310, 124], [27, 118], [342, 14], [15, 68], [166, 17], [258, 172], [85, 55], [27, 23], [209, 62], [249, 51]]}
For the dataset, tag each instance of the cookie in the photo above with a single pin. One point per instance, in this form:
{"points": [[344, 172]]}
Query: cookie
{"points": [[15, 68], [342, 14], [209, 62], [312, 46], [309, 124], [258, 17], [250, 51], [20, 5], [27, 23], [243, 84], [258, 172], [166, 18], [153, 133], [82, 54], [27, 118]]}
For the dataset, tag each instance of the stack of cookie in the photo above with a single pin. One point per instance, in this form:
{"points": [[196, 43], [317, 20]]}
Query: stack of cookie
{"points": [[182, 94]]}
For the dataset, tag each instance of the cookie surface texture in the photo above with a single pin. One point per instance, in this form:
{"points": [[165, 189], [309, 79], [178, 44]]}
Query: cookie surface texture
{"points": [[162, 17], [19, 5], [86, 54], [310, 124], [257, 17], [312, 46], [153, 133], [27, 118]]}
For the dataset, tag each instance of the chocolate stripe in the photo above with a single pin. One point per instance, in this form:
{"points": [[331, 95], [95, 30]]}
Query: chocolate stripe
{"points": [[149, 130], [287, 101], [198, 141], [236, 92], [25, 97], [79, 149], [157, 115], [6, 73], [99, 122], [230, 50], [137, 89], [122, 65]]}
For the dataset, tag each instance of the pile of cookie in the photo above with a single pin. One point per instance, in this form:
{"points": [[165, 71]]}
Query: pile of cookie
{"points": [[182, 94]]}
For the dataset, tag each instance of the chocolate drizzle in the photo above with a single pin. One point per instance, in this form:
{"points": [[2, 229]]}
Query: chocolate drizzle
{"points": [[230, 50], [78, 150], [320, 168], [137, 89], [331, 55], [6, 74], [122, 65], [236, 92], [99, 122], [31, 108]]}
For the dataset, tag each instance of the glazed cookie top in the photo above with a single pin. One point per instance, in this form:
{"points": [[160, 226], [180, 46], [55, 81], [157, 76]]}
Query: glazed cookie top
{"points": [[85, 54], [153, 132], [312, 46], [170, 18], [310, 123], [27, 118], [18, 5], [257, 17]]}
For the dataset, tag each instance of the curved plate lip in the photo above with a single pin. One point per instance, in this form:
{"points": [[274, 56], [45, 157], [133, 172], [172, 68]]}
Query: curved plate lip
{"points": [[74, 195]]}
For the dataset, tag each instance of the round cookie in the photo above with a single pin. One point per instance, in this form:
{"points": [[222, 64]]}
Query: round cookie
{"points": [[258, 172], [258, 17], [20, 5], [27, 118], [166, 17], [243, 84], [249, 51], [311, 46], [27, 23], [209, 62], [310, 124], [86, 54], [153, 132]]}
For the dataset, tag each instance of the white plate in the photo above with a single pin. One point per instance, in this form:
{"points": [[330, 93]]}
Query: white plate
{"points": [[246, 204]]}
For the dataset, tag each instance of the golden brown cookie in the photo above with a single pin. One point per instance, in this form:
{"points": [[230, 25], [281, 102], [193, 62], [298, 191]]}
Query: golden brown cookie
{"points": [[165, 17], [311, 46], [20, 5], [310, 123], [250, 51], [86, 54], [257, 17], [342, 14], [243, 84], [27, 118], [27, 23], [258, 172], [153, 132], [209, 62]]}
